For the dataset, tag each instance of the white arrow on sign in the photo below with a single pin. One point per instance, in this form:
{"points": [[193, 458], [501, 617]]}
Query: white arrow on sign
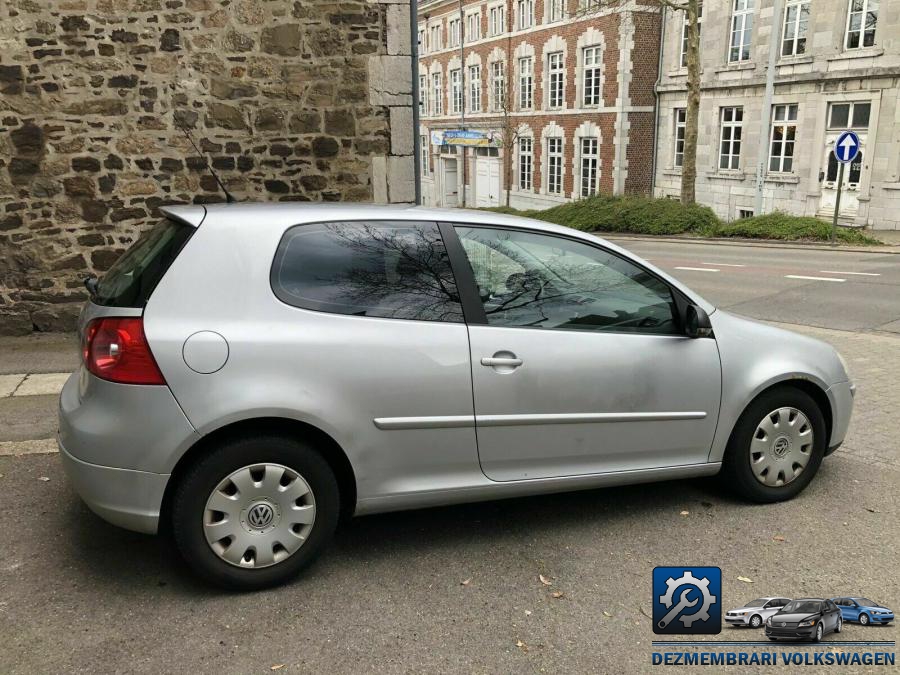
{"points": [[847, 146]]}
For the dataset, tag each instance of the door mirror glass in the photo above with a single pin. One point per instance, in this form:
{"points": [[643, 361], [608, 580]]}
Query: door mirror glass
{"points": [[697, 323]]}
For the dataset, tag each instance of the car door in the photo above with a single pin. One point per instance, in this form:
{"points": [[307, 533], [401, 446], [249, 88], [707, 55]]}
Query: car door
{"points": [[579, 365], [832, 612], [772, 607]]}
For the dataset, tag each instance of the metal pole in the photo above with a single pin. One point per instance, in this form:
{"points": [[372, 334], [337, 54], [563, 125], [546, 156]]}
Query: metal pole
{"points": [[462, 84], [837, 205], [414, 58], [765, 119]]}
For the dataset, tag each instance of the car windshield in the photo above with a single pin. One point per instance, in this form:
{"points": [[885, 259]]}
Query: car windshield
{"points": [[801, 607], [756, 603], [865, 602]]}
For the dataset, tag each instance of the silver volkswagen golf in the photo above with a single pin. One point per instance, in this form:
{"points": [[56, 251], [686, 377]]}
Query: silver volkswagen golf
{"points": [[251, 372]]}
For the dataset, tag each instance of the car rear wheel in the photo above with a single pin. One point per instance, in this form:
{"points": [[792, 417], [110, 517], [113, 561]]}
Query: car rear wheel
{"points": [[755, 621], [255, 511], [864, 619], [776, 447]]}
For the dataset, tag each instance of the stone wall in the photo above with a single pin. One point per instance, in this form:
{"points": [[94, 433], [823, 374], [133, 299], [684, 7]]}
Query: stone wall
{"points": [[305, 100]]}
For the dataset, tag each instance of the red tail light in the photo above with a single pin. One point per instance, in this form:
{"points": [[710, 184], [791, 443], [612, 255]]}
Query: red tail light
{"points": [[116, 349]]}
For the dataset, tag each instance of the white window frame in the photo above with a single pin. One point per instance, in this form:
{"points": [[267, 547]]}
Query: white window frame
{"points": [[473, 26], [555, 163], [456, 91], [496, 20], [423, 95], [498, 85], [588, 166], [435, 37], [867, 7], [678, 133], [420, 36], [475, 88], [437, 94], [526, 83], [525, 11], [424, 143], [684, 34], [556, 10], [589, 5], [740, 38], [784, 116], [525, 163], [592, 97], [795, 28], [556, 80], [453, 31], [731, 125]]}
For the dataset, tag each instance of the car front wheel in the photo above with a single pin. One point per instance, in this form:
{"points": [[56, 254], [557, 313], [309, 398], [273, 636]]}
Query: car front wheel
{"points": [[840, 625], [255, 511], [776, 447], [864, 619], [820, 633], [756, 621]]}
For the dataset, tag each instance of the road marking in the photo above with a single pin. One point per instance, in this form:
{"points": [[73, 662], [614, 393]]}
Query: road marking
{"points": [[44, 446], [800, 276], [723, 264], [35, 384], [697, 269], [9, 384], [861, 274]]}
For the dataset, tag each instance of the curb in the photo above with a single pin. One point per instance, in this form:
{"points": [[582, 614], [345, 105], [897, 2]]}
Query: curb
{"points": [[757, 243]]}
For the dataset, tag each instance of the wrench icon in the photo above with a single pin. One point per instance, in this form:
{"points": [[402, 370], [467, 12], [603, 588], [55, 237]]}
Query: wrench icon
{"points": [[680, 605]]}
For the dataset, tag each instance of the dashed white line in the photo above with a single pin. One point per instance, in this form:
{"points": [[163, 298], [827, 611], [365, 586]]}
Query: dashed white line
{"points": [[723, 264], [800, 276], [44, 446], [861, 274], [697, 269]]}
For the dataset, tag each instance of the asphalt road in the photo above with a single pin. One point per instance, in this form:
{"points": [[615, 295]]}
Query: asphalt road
{"points": [[457, 589]]}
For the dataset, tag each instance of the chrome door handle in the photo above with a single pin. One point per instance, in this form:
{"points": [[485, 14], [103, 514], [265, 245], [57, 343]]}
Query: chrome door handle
{"points": [[494, 361]]}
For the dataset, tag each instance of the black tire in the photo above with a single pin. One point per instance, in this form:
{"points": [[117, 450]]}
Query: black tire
{"points": [[758, 619], [819, 634], [772, 639], [737, 474], [840, 625], [864, 619], [189, 503]]}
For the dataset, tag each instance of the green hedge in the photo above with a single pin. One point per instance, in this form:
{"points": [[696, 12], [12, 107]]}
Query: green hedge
{"points": [[642, 215]]}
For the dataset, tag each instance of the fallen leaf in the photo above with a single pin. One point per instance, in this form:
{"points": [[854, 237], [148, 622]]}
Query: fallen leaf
{"points": [[558, 594], [871, 510], [685, 513], [44, 478], [745, 580], [277, 666], [466, 582], [527, 612], [605, 613], [545, 580], [521, 645], [777, 537]]}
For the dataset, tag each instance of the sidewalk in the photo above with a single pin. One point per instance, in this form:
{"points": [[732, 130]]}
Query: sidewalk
{"points": [[38, 353]]}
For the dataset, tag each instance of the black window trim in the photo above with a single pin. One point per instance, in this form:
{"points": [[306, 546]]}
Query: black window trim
{"points": [[430, 221], [472, 305]]}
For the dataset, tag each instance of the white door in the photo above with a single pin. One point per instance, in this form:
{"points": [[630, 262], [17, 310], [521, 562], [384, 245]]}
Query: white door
{"points": [[451, 182], [487, 181], [852, 179]]}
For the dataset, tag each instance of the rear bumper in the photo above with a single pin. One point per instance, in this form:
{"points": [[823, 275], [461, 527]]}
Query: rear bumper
{"points": [[123, 497]]}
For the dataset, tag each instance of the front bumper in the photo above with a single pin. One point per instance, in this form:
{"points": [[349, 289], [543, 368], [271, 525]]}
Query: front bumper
{"points": [[123, 497], [840, 396], [795, 633], [738, 620], [881, 618]]}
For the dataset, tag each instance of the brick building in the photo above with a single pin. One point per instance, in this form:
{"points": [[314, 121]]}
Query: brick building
{"points": [[558, 96], [837, 66]]}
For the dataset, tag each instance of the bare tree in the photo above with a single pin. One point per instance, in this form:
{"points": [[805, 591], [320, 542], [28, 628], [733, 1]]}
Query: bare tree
{"points": [[691, 8]]}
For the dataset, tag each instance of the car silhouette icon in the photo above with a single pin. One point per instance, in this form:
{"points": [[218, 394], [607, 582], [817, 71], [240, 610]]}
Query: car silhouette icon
{"points": [[864, 611], [755, 612]]}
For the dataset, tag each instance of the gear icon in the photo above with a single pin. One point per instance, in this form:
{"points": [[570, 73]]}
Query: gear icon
{"points": [[701, 584]]}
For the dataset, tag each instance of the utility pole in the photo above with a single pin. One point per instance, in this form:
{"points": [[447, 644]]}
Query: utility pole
{"points": [[765, 119]]}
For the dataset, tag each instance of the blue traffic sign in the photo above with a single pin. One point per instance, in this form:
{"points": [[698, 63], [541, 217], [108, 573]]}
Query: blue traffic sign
{"points": [[846, 147]]}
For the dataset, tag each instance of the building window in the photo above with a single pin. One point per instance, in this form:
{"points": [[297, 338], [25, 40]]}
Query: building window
{"points": [[784, 133], [423, 149], [421, 40], [423, 95], [684, 33], [554, 165], [588, 5], [556, 10], [526, 83], [453, 27], [592, 70], [526, 157], [796, 22], [473, 27], [730, 141], [475, 88], [741, 29], [745, 213], [680, 119], [497, 20], [456, 91], [556, 80], [498, 86], [437, 95], [861, 22], [589, 161], [849, 116], [435, 38], [526, 13]]}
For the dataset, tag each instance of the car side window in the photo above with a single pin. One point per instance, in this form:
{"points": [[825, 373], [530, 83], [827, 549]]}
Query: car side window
{"points": [[535, 280], [394, 270]]}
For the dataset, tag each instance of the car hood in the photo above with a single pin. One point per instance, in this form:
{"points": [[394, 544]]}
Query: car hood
{"points": [[792, 618], [879, 607], [746, 608]]}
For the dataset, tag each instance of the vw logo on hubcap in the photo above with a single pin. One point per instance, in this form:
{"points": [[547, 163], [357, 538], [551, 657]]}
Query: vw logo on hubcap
{"points": [[781, 446], [260, 516]]}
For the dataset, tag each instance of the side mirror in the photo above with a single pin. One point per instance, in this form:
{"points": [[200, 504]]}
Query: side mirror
{"points": [[696, 322]]}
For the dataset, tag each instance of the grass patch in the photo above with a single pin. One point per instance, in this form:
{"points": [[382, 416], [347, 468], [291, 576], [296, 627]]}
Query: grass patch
{"points": [[642, 215]]}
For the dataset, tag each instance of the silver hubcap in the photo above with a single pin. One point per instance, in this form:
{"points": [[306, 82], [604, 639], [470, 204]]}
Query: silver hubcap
{"points": [[864, 619], [259, 515], [781, 447], [819, 631], [755, 621]]}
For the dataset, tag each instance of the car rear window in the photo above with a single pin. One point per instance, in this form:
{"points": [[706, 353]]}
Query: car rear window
{"points": [[132, 278], [394, 270]]}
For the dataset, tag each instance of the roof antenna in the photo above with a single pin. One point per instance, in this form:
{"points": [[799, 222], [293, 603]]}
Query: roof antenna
{"points": [[228, 198]]}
